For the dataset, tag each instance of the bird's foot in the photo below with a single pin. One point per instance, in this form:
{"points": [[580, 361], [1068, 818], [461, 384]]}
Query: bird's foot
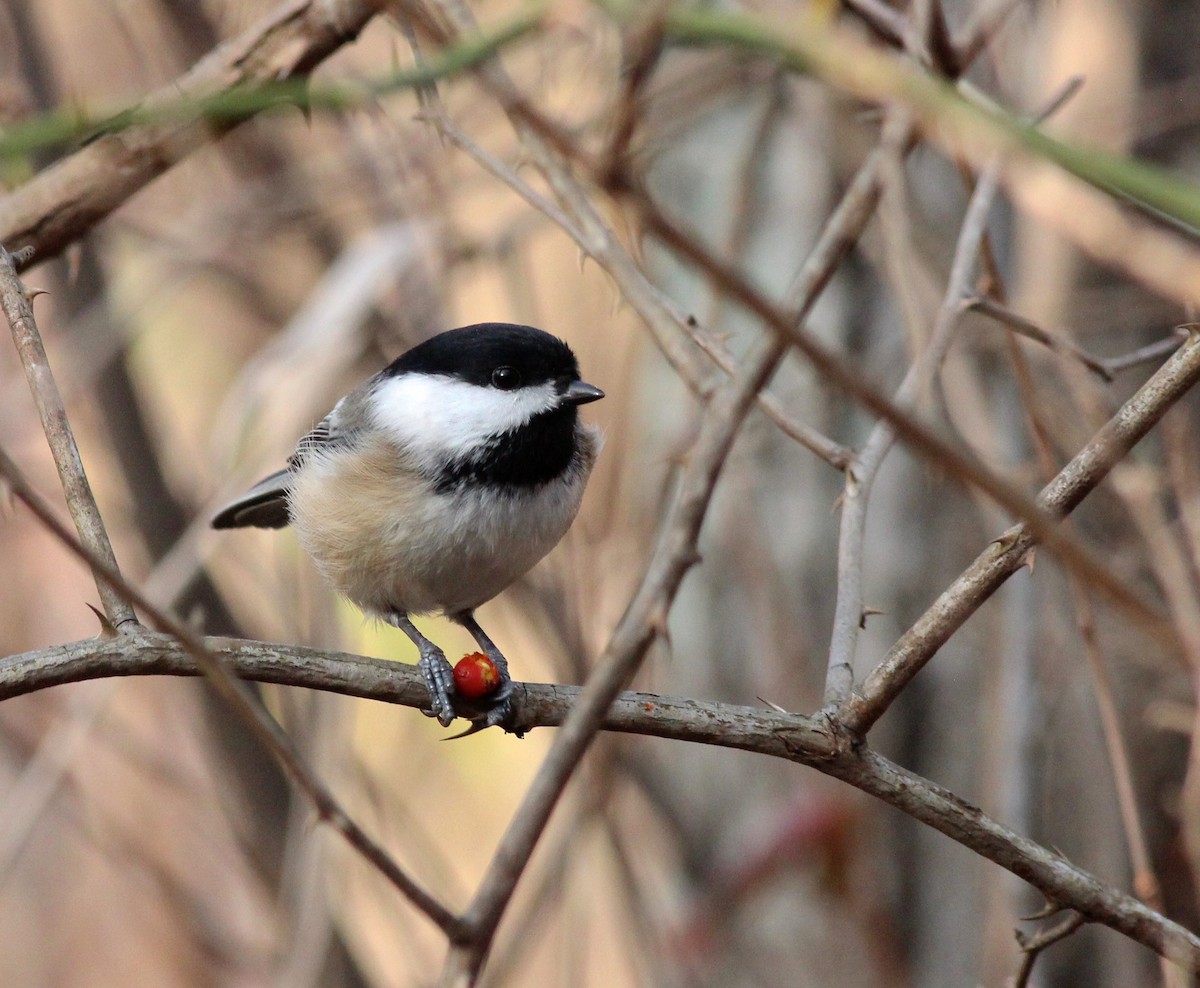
{"points": [[439, 680], [496, 709]]}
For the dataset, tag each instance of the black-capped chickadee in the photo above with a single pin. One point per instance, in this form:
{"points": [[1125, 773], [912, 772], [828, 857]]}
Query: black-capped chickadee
{"points": [[438, 482]]}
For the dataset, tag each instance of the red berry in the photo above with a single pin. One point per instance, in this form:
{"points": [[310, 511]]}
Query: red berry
{"points": [[476, 675]]}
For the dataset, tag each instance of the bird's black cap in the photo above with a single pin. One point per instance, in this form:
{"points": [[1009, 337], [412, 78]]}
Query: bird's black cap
{"points": [[473, 354]]}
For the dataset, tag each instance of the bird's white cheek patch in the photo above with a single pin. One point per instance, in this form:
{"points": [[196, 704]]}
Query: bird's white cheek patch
{"points": [[439, 419]]}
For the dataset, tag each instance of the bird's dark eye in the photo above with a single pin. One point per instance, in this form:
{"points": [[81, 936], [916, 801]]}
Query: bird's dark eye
{"points": [[506, 378]]}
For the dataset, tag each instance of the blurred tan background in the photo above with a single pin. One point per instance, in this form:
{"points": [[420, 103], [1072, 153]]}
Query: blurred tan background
{"points": [[144, 839]]}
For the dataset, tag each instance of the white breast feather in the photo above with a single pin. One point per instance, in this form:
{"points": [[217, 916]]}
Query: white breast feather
{"points": [[437, 419]]}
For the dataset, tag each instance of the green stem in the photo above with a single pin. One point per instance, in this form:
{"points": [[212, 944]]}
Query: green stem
{"points": [[808, 45], [239, 102]]}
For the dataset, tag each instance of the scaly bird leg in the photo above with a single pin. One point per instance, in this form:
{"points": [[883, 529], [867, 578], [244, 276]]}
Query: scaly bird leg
{"points": [[497, 707], [437, 672]]}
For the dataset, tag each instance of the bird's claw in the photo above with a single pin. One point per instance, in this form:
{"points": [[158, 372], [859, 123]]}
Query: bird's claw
{"points": [[475, 728], [497, 709]]}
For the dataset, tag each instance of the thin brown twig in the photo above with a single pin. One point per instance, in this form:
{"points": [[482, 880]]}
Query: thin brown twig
{"points": [[1183, 473], [928, 41], [887, 23], [1152, 353], [1141, 490], [1105, 368], [234, 692], [900, 262], [435, 115], [643, 47], [832, 452], [892, 27], [985, 24], [81, 502], [1031, 330], [747, 205], [1138, 486], [1032, 946], [1145, 882]]}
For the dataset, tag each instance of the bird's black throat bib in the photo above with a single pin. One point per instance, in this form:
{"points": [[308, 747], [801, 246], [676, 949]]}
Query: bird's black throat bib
{"points": [[540, 451]]}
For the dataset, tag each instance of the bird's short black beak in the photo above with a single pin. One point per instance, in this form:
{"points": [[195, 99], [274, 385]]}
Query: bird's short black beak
{"points": [[580, 393]]}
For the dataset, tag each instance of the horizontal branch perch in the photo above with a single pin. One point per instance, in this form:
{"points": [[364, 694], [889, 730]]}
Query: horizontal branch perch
{"points": [[541, 705], [812, 741]]}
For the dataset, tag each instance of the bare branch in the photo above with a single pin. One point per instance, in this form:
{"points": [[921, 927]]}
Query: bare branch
{"points": [[985, 23], [1030, 330], [640, 625], [1032, 946], [81, 502], [888, 24], [1008, 553], [848, 613], [63, 202], [966, 468], [1152, 353], [1145, 882]]}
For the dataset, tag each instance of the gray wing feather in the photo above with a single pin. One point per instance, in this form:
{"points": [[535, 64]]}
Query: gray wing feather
{"points": [[265, 504]]}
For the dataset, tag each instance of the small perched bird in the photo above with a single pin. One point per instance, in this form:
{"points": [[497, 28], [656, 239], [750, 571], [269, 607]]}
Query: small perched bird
{"points": [[438, 482]]}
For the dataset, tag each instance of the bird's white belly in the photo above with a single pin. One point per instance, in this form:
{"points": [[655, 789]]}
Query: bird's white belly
{"points": [[383, 538]]}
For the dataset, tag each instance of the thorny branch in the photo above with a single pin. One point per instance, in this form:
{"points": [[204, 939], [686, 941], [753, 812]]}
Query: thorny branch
{"points": [[643, 620], [53, 413], [861, 475]]}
